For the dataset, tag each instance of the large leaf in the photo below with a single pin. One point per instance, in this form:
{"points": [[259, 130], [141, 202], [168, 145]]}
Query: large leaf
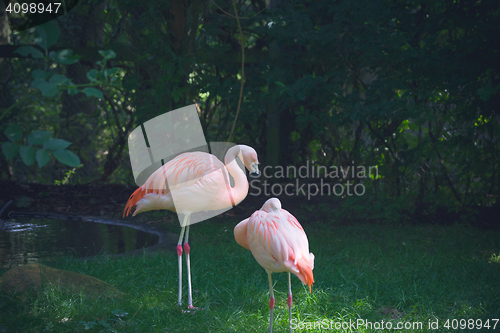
{"points": [[93, 75], [110, 72], [42, 157], [486, 92], [27, 154], [59, 79], [89, 91], [13, 132], [48, 89], [66, 157], [38, 137], [10, 150], [47, 34], [39, 74], [107, 54], [65, 57], [29, 50], [56, 144]]}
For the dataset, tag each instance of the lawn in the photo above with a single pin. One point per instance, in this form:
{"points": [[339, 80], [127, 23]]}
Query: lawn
{"points": [[371, 274]]}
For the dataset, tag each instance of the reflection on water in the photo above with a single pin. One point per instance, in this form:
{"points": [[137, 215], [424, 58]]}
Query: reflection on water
{"points": [[24, 240]]}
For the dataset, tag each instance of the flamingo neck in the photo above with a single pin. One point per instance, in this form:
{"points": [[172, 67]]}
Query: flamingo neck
{"points": [[240, 189]]}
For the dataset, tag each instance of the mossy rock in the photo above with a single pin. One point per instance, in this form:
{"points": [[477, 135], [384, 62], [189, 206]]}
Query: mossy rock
{"points": [[24, 280]]}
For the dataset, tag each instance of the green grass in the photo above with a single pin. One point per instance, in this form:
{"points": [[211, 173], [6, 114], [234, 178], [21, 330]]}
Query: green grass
{"points": [[403, 274]]}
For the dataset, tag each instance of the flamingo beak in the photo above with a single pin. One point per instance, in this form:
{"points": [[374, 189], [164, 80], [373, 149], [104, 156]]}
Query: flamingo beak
{"points": [[254, 170]]}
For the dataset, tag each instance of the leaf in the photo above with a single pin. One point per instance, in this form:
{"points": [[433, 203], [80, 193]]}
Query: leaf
{"points": [[42, 157], [108, 54], [27, 154], [47, 34], [67, 157], [38, 137], [92, 75], [56, 144], [58, 79], [93, 92], [48, 89], [29, 50], [39, 74], [110, 72], [65, 57], [10, 150], [13, 132], [73, 91], [486, 92]]}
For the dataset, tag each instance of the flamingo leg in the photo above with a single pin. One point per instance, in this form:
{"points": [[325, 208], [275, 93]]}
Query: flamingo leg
{"points": [[271, 302], [289, 301], [188, 265], [179, 257]]}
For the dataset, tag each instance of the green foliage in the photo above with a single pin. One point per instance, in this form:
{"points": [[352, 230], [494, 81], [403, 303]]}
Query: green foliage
{"points": [[47, 35], [375, 208], [54, 147], [67, 176], [66, 157], [29, 50], [409, 86], [51, 82], [495, 258]]}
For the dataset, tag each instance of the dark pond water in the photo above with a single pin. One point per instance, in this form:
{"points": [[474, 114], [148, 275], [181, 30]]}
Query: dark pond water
{"points": [[25, 240]]}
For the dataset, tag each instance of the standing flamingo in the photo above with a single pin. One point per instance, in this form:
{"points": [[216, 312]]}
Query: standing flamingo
{"points": [[279, 244], [196, 181]]}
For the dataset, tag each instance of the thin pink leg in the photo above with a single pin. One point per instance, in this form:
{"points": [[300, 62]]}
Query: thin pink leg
{"points": [[188, 265], [271, 303], [187, 250], [289, 301], [179, 258]]}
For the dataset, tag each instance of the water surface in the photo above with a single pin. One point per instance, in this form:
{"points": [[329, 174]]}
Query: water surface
{"points": [[26, 240]]}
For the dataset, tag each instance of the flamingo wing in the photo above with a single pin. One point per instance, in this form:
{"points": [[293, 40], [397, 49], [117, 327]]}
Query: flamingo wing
{"points": [[279, 244], [184, 170]]}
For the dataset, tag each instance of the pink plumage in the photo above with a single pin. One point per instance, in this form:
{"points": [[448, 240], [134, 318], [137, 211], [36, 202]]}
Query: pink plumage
{"points": [[197, 182], [278, 243]]}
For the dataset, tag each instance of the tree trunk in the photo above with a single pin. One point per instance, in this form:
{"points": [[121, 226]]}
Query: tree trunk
{"points": [[6, 99]]}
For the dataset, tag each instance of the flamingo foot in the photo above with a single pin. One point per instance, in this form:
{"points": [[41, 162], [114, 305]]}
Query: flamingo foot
{"points": [[192, 309]]}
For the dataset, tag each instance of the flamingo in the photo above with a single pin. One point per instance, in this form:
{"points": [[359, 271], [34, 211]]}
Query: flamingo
{"points": [[279, 244], [196, 181]]}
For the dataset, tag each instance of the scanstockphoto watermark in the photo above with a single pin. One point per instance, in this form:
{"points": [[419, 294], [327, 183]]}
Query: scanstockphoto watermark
{"points": [[333, 180], [355, 325]]}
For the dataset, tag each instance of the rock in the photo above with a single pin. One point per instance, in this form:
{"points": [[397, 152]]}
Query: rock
{"points": [[26, 279]]}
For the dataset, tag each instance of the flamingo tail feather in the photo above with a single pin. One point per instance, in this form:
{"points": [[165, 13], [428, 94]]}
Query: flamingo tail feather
{"points": [[305, 273], [132, 201]]}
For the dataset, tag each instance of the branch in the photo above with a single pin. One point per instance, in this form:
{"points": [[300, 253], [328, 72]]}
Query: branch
{"points": [[242, 71], [383, 141], [6, 112], [440, 160], [236, 16]]}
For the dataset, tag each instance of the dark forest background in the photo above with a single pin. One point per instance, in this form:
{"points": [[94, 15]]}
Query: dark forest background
{"points": [[412, 87]]}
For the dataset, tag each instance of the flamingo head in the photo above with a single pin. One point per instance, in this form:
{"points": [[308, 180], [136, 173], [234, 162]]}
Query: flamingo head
{"points": [[249, 157], [272, 205]]}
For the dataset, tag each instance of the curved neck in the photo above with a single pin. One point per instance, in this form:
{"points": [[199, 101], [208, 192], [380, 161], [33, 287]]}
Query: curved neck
{"points": [[240, 189]]}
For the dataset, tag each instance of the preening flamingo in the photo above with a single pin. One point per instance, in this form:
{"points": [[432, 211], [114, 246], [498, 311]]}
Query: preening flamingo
{"points": [[196, 181], [279, 244]]}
